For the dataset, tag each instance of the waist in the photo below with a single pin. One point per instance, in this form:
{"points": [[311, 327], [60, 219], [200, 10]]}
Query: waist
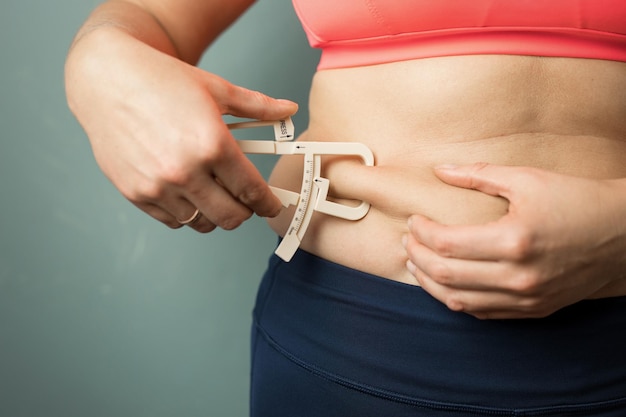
{"points": [[416, 115]]}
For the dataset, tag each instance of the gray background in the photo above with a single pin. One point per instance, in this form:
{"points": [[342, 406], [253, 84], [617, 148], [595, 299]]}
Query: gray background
{"points": [[104, 311]]}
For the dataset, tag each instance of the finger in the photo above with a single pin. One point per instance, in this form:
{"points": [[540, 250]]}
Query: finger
{"points": [[159, 214], [460, 273], [196, 221], [453, 299], [201, 224], [483, 304], [220, 181], [238, 175], [216, 203], [242, 102], [490, 179], [183, 212], [495, 241]]}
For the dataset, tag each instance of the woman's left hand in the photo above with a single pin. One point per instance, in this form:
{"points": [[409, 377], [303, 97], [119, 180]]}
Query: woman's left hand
{"points": [[563, 240]]}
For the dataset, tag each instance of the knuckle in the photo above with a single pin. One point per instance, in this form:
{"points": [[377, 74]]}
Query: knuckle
{"points": [[131, 194], [233, 221], [172, 224], [174, 173], [264, 103], [520, 244], [454, 303], [230, 224], [206, 228], [228, 89], [526, 283], [229, 94], [212, 148], [170, 169], [440, 273], [442, 245], [254, 194], [218, 89], [179, 170], [203, 226], [146, 191], [476, 168]]}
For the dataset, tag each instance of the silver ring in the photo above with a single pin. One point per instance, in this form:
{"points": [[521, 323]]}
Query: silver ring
{"points": [[194, 218]]}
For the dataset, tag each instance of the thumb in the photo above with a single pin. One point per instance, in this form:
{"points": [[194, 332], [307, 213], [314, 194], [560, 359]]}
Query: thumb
{"points": [[242, 102], [490, 179]]}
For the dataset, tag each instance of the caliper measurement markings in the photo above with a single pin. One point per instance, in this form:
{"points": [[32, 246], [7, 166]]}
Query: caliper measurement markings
{"points": [[307, 185]]}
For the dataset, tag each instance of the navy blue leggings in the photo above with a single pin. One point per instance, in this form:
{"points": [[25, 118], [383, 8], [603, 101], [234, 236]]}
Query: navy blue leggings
{"points": [[330, 341]]}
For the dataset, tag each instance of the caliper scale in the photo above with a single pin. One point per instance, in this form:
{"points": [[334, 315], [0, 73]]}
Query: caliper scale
{"points": [[314, 190]]}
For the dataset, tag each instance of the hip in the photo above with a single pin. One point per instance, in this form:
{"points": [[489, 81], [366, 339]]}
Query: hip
{"points": [[356, 342]]}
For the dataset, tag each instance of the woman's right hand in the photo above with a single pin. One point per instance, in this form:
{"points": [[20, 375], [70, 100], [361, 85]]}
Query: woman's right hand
{"points": [[156, 130]]}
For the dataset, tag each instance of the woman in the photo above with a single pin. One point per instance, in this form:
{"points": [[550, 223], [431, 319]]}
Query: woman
{"points": [[499, 192]]}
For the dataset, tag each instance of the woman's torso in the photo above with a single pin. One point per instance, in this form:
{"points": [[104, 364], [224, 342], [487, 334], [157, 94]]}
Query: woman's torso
{"points": [[561, 114]]}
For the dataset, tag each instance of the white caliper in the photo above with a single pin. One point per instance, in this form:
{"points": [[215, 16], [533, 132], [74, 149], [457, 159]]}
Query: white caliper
{"points": [[314, 191]]}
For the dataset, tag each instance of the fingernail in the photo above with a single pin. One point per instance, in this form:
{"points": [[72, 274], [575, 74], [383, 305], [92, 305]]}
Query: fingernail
{"points": [[411, 267]]}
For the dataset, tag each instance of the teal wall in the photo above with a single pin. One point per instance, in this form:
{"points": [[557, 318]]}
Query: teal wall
{"points": [[104, 311]]}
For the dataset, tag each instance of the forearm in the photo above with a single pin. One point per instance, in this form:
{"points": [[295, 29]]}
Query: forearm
{"points": [[124, 18], [182, 28], [125, 39], [116, 36]]}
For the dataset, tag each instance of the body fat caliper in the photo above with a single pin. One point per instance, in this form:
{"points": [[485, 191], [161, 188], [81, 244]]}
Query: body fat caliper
{"points": [[314, 190]]}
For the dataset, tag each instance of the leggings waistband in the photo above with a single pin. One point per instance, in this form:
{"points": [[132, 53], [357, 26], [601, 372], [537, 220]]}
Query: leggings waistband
{"points": [[395, 339]]}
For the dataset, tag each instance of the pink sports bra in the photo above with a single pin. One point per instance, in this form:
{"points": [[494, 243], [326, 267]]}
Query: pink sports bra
{"points": [[365, 32]]}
